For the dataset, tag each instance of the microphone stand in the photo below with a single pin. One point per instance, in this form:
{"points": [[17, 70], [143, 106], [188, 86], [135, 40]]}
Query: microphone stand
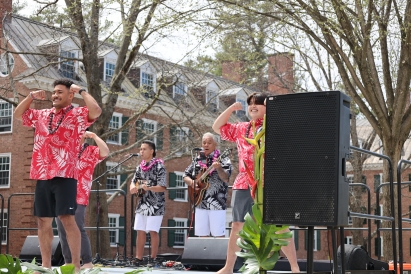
{"points": [[193, 175], [97, 258]]}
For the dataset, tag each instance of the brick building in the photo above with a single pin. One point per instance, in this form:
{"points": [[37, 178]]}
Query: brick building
{"points": [[187, 107]]}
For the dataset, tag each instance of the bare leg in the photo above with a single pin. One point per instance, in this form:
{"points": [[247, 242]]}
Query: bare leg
{"points": [[45, 234], [232, 249], [291, 254], [73, 238], [141, 241], [155, 242]]}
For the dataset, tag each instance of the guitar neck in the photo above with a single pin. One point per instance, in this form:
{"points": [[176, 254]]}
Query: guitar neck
{"points": [[207, 171]]}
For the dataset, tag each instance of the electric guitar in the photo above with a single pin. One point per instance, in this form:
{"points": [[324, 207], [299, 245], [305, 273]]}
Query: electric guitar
{"points": [[196, 193]]}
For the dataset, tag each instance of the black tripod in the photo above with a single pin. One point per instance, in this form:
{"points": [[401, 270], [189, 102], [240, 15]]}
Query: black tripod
{"points": [[97, 258]]}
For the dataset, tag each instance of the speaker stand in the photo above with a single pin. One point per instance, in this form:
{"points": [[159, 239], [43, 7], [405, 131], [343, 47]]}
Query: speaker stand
{"points": [[310, 250]]}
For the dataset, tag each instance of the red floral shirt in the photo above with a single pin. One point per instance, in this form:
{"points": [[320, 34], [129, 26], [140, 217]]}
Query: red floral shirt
{"points": [[89, 158], [56, 155], [236, 133]]}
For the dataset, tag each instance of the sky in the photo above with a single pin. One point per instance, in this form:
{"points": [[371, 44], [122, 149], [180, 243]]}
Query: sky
{"points": [[179, 46]]}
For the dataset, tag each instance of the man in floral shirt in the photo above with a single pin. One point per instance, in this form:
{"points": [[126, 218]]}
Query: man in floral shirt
{"points": [[241, 201], [57, 135], [149, 183], [210, 214], [88, 158]]}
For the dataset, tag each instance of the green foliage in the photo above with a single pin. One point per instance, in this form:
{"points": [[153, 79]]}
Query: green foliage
{"points": [[260, 242], [7, 262], [14, 266]]}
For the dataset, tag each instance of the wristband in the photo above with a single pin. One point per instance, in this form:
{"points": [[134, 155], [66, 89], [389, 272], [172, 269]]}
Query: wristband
{"points": [[31, 95], [81, 90]]}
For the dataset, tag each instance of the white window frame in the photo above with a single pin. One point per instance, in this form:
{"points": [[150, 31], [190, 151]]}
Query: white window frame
{"points": [[120, 124], [3, 64], [110, 165], [315, 239], [212, 97], [243, 103], [381, 182], [4, 224], [154, 123], [144, 81], [11, 115], [106, 69], [382, 246], [69, 63], [350, 178], [116, 230], [9, 156], [185, 221], [182, 184], [177, 88], [180, 138], [349, 240]]}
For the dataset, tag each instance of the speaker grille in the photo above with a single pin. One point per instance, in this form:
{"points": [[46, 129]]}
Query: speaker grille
{"points": [[301, 159]]}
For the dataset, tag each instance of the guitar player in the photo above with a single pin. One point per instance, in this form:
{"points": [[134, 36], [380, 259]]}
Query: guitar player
{"points": [[210, 212]]}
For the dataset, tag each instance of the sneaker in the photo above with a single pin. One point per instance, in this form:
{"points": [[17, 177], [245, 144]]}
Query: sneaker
{"points": [[152, 262], [137, 262]]}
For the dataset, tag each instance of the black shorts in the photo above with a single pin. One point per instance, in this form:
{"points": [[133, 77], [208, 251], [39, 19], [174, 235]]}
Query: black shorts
{"points": [[55, 197], [241, 203]]}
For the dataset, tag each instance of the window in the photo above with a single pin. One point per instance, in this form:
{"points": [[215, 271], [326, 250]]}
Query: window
{"points": [[379, 247], [115, 123], [6, 116], [348, 240], [4, 71], [180, 234], [109, 71], [179, 89], [5, 220], [377, 182], [243, 103], [113, 221], [150, 127], [317, 235], [350, 179], [147, 81], [181, 135], [181, 194], [113, 181], [67, 66], [5, 170], [211, 100]]}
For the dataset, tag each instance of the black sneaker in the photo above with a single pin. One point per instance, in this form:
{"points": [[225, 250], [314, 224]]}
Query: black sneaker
{"points": [[137, 263]]}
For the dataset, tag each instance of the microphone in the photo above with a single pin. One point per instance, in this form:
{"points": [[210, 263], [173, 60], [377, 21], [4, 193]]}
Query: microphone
{"points": [[134, 154], [197, 149]]}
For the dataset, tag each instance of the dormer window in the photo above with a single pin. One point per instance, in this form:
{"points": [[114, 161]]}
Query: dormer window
{"points": [[109, 71], [147, 81], [212, 100], [67, 65], [4, 70], [179, 89]]}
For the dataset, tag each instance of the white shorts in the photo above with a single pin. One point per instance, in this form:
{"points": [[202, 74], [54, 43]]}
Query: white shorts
{"points": [[147, 223], [207, 221]]}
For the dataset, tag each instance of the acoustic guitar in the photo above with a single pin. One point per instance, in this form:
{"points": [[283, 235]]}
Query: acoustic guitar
{"points": [[196, 193], [140, 190]]}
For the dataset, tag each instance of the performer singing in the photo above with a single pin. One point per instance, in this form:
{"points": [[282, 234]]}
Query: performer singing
{"points": [[57, 135], [210, 213], [89, 156], [150, 183], [241, 201]]}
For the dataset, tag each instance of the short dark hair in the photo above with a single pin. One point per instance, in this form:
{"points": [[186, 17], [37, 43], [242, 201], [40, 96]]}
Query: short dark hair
{"points": [[151, 144], [64, 82], [257, 98]]}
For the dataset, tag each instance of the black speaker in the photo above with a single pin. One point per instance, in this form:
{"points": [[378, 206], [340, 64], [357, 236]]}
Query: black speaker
{"points": [[357, 258], [31, 250], [211, 252], [307, 142]]}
